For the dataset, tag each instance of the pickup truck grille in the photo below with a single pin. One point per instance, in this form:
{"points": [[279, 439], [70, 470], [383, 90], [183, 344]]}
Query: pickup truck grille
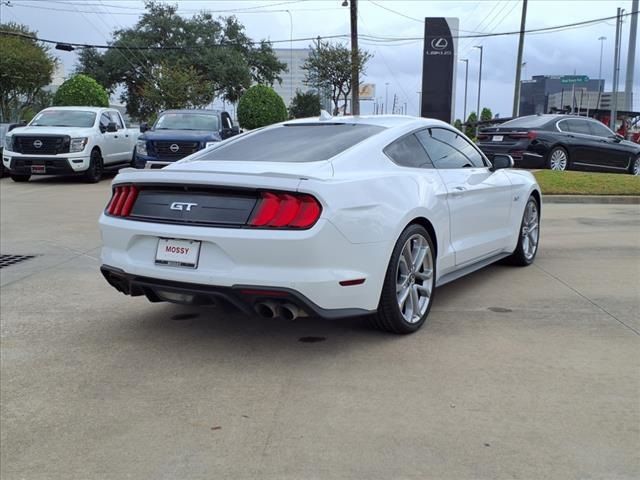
{"points": [[41, 144], [175, 150]]}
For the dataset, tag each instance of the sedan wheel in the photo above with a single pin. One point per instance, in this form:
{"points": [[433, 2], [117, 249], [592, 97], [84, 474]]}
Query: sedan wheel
{"points": [[635, 168], [529, 235], [408, 287], [558, 159]]}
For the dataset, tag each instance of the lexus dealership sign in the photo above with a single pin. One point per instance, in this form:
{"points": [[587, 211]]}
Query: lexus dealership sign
{"points": [[439, 68]]}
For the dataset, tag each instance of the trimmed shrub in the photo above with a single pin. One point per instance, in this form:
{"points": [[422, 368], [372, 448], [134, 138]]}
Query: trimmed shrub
{"points": [[81, 91], [260, 106]]}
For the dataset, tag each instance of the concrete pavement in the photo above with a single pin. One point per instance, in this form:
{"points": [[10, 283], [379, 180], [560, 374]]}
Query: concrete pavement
{"points": [[522, 373]]}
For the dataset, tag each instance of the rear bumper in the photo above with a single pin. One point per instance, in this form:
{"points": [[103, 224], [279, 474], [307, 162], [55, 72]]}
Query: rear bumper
{"points": [[243, 297], [522, 158], [311, 263]]}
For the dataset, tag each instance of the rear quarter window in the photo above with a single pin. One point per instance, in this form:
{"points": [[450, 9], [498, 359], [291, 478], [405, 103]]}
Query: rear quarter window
{"points": [[293, 143]]}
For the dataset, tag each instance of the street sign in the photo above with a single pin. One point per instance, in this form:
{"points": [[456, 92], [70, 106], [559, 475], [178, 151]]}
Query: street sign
{"points": [[574, 79]]}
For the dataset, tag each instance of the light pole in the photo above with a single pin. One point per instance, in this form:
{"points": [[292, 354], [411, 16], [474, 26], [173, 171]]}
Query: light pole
{"points": [[601, 85], [419, 103], [479, 87], [290, 55], [386, 97], [466, 82]]}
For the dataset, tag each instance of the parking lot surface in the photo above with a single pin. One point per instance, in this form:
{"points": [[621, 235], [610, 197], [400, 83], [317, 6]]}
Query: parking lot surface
{"points": [[522, 373]]}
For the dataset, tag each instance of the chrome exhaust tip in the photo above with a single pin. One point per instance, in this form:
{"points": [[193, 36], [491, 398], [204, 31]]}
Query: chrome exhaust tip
{"points": [[266, 309], [289, 311]]}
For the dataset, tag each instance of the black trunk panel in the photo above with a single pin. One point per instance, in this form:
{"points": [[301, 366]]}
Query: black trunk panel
{"points": [[194, 207]]}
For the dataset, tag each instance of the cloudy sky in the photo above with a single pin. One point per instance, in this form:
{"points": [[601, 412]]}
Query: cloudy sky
{"points": [[400, 63]]}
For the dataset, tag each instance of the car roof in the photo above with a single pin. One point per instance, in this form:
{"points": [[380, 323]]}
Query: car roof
{"points": [[82, 108], [386, 121], [194, 110]]}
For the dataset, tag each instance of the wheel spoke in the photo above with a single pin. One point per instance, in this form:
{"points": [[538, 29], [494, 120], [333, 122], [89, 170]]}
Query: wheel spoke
{"points": [[415, 303], [402, 298], [406, 253], [424, 275], [419, 258]]}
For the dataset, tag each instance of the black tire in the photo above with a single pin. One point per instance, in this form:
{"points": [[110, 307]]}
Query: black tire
{"points": [[389, 316], [520, 257], [558, 151], [96, 168], [20, 178]]}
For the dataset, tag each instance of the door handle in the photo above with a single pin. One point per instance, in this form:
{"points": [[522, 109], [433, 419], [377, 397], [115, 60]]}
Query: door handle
{"points": [[458, 191], [115, 136]]}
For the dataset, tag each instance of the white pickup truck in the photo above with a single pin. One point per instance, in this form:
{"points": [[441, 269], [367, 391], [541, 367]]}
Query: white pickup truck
{"points": [[67, 141]]}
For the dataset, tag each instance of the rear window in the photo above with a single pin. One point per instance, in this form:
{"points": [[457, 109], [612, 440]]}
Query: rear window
{"points": [[293, 143], [531, 121]]}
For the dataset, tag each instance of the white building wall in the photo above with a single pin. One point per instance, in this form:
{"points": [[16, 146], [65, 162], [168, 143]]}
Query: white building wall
{"points": [[293, 78]]}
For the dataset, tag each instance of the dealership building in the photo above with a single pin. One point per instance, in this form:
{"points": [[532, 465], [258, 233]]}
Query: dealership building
{"points": [[535, 93]]}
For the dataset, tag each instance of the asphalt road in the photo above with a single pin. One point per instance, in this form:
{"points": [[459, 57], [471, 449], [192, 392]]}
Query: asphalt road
{"points": [[524, 373]]}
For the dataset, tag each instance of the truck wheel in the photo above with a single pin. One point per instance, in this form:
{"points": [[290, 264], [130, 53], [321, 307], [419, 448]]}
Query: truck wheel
{"points": [[20, 178], [94, 172]]}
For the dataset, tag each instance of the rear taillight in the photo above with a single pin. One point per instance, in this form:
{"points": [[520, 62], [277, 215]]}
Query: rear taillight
{"points": [[531, 135], [122, 200], [285, 210]]}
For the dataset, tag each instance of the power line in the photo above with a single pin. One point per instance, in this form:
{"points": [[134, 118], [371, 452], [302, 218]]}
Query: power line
{"points": [[308, 39], [256, 9]]}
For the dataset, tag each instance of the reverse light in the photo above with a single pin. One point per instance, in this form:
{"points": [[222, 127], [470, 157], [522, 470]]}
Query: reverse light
{"points": [[122, 201], [285, 210]]}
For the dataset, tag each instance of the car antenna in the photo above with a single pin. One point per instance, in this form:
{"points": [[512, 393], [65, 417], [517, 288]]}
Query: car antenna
{"points": [[324, 116]]}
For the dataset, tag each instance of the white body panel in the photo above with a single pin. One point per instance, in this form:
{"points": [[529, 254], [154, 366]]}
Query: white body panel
{"points": [[115, 147], [367, 201]]}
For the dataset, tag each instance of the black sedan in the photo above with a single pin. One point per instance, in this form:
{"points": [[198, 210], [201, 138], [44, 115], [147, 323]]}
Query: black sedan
{"points": [[561, 142]]}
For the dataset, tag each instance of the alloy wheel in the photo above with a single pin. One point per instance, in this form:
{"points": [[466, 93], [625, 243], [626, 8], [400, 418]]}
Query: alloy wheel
{"points": [[530, 231], [636, 166], [414, 278], [558, 160]]}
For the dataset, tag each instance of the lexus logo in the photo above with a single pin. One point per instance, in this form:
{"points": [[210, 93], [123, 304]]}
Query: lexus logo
{"points": [[174, 148], [37, 143], [182, 206], [439, 43]]}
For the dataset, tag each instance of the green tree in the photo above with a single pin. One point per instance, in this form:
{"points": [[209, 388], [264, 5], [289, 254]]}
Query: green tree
{"points": [[329, 66], [486, 114], [470, 129], [457, 124], [25, 67], [260, 106], [81, 90], [305, 105], [42, 100], [176, 87], [224, 57]]}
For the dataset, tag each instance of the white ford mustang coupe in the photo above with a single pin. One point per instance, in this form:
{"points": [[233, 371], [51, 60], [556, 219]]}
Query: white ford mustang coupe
{"points": [[330, 217]]}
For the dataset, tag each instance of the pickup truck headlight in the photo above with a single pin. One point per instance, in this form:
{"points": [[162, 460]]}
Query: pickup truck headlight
{"points": [[141, 147], [78, 144], [210, 144], [8, 143]]}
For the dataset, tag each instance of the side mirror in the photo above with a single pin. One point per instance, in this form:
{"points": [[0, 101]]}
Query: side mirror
{"points": [[235, 130], [502, 161], [144, 127], [618, 138], [112, 127]]}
